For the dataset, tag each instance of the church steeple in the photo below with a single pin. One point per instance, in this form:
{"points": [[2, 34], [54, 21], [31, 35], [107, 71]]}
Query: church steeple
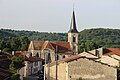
{"points": [[73, 35], [73, 28]]}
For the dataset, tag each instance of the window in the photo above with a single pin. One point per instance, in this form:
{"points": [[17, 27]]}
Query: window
{"points": [[37, 55], [57, 57], [49, 58], [64, 56], [30, 54], [74, 39]]}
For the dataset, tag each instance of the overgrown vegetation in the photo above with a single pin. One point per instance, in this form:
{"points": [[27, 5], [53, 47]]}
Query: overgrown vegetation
{"points": [[16, 62], [17, 59]]}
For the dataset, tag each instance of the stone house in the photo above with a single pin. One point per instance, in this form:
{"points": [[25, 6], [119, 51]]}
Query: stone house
{"points": [[77, 67], [110, 56], [33, 65]]}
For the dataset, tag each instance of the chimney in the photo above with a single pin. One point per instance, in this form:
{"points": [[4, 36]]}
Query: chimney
{"points": [[101, 51]]}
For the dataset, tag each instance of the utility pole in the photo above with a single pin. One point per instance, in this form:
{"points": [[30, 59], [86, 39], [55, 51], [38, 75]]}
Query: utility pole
{"points": [[56, 62], [45, 65]]}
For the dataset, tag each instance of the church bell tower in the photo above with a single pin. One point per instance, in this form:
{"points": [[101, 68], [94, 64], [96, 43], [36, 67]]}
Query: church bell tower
{"points": [[73, 35]]}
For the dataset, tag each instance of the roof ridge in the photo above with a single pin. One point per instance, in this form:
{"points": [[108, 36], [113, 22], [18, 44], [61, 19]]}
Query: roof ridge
{"points": [[52, 46], [44, 45]]}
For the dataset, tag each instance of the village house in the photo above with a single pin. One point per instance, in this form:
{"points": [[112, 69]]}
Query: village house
{"points": [[78, 67], [110, 56], [33, 65]]}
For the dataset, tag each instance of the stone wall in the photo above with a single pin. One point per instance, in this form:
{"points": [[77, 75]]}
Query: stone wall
{"points": [[108, 60], [51, 71], [90, 70]]}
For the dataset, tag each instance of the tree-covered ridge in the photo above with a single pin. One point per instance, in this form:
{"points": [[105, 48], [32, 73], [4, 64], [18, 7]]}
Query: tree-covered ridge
{"points": [[102, 37], [94, 38], [33, 35], [88, 38]]}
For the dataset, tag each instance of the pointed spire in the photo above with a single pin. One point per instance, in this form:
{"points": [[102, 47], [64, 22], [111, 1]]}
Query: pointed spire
{"points": [[73, 24]]}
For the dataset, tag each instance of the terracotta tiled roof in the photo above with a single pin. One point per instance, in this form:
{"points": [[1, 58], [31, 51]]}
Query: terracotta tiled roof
{"points": [[4, 74], [75, 57], [33, 59], [36, 45], [61, 47], [69, 59], [111, 51], [20, 53]]}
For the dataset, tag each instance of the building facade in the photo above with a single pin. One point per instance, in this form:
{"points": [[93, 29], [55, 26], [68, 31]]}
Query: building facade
{"points": [[77, 67]]}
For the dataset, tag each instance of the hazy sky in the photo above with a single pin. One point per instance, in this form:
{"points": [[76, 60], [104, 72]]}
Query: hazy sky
{"points": [[54, 15]]}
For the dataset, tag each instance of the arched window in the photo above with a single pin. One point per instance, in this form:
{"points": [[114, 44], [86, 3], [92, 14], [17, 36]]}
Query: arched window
{"points": [[57, 57], [30, 54], [74, 39], [37, 55], [49, 58]]}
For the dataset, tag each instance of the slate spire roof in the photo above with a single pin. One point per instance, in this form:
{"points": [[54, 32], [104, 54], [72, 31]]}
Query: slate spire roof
{"points": [[73, 28]]}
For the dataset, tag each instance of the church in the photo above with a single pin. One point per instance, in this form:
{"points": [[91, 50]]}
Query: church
{"points": [[49, 49]]}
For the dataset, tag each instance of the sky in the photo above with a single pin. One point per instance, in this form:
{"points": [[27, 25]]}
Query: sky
{"points": [[55, 15]]}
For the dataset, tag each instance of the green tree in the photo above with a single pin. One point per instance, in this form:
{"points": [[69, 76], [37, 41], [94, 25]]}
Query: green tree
{"points": [[15, 44], [16, 59], [24, 43]]}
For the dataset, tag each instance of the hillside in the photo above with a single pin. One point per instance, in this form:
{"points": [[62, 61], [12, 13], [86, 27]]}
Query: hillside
{"points": [[88, 38], [32, 35]]}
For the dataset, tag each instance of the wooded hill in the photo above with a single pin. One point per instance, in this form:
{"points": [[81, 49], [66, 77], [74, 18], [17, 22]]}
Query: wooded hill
{"points": [[88, 38]]}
